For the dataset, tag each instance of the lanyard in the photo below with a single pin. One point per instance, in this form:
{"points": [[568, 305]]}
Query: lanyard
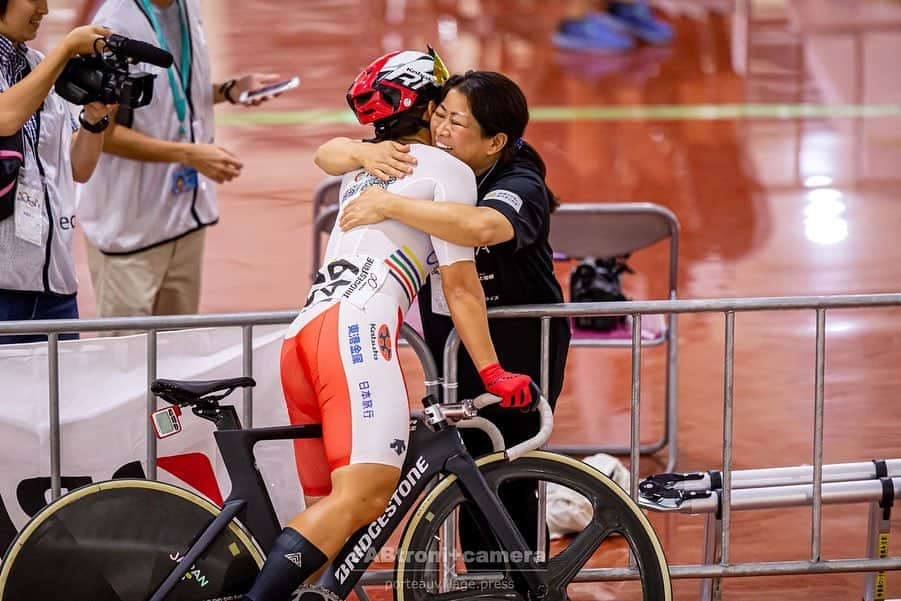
{"points": [[178, 91]]}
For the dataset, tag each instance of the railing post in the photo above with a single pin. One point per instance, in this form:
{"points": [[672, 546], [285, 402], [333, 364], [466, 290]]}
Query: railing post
{"points": [[55, 427], [728, 377], [151, 405], [541, 541], [635, 438], [247, 356], [672, 396], [816, 513]]}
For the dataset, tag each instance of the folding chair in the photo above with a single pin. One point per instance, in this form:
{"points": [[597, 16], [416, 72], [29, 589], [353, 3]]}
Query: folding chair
{"points": [[325, 211], [611, 230]]}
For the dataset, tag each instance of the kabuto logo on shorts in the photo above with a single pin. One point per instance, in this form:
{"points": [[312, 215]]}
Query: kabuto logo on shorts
{"points": [[374, 341], [385, 342]]}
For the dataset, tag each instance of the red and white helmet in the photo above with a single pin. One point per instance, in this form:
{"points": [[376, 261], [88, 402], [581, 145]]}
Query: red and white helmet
{"points": [[393, 83]]}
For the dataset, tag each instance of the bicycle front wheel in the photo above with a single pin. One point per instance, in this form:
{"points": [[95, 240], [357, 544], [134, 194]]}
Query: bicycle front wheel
{"points": [[118, 540], [429, 560]]}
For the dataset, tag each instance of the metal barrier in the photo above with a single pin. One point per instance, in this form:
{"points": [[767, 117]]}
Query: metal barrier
{"points": [[153, 325], [577, 231], [545, 312], [612, 229], [877, 482], [728, 307]]}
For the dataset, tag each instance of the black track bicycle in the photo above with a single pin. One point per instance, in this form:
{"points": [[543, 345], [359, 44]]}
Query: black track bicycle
{"points": [[139, 540]]}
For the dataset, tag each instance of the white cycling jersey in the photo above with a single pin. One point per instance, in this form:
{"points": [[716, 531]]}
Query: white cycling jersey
{"points": [[338, 364], [390, 257]]}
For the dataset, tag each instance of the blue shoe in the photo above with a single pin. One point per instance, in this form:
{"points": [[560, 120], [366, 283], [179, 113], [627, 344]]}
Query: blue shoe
{"points": [[594, 33], [638, 20]]}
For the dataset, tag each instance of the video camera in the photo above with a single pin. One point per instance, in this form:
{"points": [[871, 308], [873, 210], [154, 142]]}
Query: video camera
{"points": [[104, 75]]}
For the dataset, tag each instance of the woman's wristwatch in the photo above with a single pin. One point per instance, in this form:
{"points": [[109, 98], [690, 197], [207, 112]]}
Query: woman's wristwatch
{"points": [[94, 128]]}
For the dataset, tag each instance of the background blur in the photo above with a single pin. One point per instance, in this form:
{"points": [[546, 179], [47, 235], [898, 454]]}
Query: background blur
{"points": [[771, 128]]}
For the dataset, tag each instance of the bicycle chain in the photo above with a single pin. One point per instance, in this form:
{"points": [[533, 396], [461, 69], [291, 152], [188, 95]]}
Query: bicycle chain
{"points": [[323, 593]]}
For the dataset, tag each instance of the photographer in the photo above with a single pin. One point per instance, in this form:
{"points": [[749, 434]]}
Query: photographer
{"points": [[40, 160], [145, 213]]}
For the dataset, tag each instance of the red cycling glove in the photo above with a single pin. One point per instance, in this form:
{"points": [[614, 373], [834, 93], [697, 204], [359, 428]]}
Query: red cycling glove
{"points": [[512, 388]]}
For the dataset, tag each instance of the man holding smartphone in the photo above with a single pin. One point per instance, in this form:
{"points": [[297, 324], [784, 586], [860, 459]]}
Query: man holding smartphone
{"points": [[153, 194]]}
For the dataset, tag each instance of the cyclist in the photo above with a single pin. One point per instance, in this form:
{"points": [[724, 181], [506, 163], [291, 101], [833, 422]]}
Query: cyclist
{"points": [[338, 363], [480, 119]]}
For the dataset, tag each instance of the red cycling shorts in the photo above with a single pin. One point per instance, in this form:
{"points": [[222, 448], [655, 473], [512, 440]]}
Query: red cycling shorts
{"points": [[339, 368]]}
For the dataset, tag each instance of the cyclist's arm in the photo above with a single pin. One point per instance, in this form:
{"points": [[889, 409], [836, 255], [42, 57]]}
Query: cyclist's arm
{"points": [[466, 301]]}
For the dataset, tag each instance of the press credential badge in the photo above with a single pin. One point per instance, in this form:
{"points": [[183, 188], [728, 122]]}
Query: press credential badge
{"points": [[29, 212]]}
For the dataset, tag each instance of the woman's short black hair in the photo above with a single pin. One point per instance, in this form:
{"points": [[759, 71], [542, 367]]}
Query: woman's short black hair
{"points": [[3, 6], [499, 106]]}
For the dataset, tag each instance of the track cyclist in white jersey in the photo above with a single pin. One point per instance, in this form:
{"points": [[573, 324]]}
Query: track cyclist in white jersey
{"points": [[338, 363]]}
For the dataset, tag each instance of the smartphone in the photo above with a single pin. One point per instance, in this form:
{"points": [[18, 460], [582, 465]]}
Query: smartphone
{"points": [[270, 90]]}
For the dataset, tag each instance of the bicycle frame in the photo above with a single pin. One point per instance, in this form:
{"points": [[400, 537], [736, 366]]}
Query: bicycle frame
{"points": [[431, 453]]}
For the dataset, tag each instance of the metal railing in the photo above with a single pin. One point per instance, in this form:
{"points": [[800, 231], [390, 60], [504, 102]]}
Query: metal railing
{"points": [[728, 307], [152, 326]]}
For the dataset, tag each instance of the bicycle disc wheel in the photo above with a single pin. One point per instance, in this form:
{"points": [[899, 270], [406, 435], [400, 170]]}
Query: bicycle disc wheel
{"points": [[418, 568], [118, 540]]}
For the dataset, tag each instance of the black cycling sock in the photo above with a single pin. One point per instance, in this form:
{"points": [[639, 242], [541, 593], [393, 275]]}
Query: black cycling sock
{"points": [[291, 561]]}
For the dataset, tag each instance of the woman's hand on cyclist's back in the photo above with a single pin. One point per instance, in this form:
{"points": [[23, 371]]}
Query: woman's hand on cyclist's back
{"points": [[366, 209]]}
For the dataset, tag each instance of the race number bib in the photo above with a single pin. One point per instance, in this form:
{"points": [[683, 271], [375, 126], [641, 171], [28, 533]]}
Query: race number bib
{"points": [[355, 279]]}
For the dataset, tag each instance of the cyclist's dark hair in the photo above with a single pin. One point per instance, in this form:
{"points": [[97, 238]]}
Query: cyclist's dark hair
{"points": [[408, 122], [499, 106]]}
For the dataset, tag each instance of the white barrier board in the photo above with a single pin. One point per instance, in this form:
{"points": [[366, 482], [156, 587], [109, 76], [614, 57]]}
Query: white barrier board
{"points": [[103, 414]]}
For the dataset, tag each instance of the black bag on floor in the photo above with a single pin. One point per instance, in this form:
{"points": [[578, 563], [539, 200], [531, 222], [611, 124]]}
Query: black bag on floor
{"points": [[594, 280]]}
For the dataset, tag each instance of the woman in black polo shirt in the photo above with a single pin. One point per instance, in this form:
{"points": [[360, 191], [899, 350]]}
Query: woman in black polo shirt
{"points": [[480, 119]]}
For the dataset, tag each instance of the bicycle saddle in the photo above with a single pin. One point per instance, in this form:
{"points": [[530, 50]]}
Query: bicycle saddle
{"points": [[187, 391]]}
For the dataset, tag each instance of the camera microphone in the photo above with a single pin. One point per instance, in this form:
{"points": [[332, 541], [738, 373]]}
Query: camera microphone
{"points": [[140, 51], [106, 76]]}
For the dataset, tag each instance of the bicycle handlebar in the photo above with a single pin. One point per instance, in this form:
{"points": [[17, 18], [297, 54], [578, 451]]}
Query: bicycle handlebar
{"points": [[537, 441]]}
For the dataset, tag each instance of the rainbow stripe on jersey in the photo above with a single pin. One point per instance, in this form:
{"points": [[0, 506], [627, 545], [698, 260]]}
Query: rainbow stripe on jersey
{"points": [[406, 269]]}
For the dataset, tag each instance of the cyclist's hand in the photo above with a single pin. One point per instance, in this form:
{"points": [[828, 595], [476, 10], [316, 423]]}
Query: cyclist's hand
{"points": [[366, 209], [386, 159], [81, 39], [514, 389]]}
